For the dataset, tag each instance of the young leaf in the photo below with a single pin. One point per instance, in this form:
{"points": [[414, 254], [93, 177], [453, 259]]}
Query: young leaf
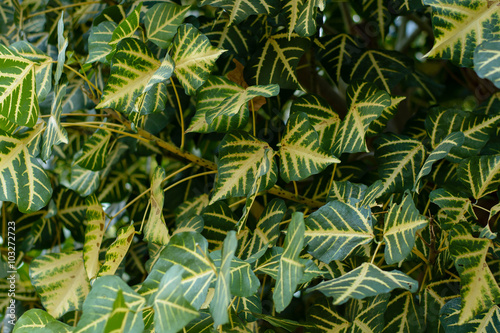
{"points": [[290, 269], [336, 229], [155, 230], [240, 157], [400, 226], [161, 22], [460, 26], [22, 179], [300, 153], [61, 281], [222, 297], [479, 289], [93, 236], [117, 251], [172, 310], [365, 281], [480, 174], [95, 150], [485, 56], [193, 56], [18, 100]]}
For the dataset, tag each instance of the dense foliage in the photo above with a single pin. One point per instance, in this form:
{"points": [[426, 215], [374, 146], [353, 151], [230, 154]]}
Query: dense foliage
{"points": [[250, 166]]}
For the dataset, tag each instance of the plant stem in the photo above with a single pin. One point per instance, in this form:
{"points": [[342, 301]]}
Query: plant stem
{"points": [[180, 114], [84, 78], [105, 128], [188, 178], [55, 9]]}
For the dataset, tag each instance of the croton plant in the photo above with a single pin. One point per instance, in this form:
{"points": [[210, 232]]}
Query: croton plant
{"points": [[250, 166]]}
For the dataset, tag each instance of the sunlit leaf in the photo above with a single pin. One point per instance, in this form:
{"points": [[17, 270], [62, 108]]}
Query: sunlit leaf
{"points": [[127, 27], [117, 251]]}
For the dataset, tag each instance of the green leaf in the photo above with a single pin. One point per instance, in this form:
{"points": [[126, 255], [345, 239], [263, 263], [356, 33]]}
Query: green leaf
{"points": [[240, 156], [377, 13], [441, 151], [99, 39], [343, 191], [38, 320], [62, 44], [336, 53], [22, 179], [18, 100], [400, 159], [61, 281], [238, 102], [55, 134], [300, 153], [366, 103], [479, 289], [162, 21], [480, 174], [488, 321], [485, 56], [163, 73], [98, 306], [378, 125], [43, 67], [94, 151], [127, 27], [172, 310], [365, 281], [454, 207], [219, 219], [132, 67], [306, 23], [321, 116], [117, 251], [325, 317], [404, 314], [336, 229], [292, 10], [193, 56], [215, 90], [155, 229], [276, 60], [240, 10], [290, 269], [94, 232], [384, 68], [83, 181], [122, 319], [400, 226], [460, 26], [71, 210], [222, 296], [371, 317]]}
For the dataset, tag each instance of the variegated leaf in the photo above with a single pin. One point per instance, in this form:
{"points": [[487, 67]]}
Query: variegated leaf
{"points": [[238, 102], [83, 181], [122, 319], [336, 229], [479, 289], [480, 174], [219, 219], [454, 207], [215, 90], [163, 73], [38, 320], [404, 314], [370, 317], [61, 281], [344, 191], [18, 100], [22, 179], [321, 116], [117, 251], [401, 223], [43, 67], [233, 38], [240, 156], [366, 103], [336, 53], [376, 12], [452, 140], [325, 317], [485, 57], [132, 67], [405, 6], [191, 208], [365, 281], [290, 268], [306, 23], [378, 125], [71, 210], [127, 27], [240, 10], [300, 153], [400, 159], [222, 295], [162, 21], [155, 229], [62, 44], [488, 321], [385, 69], [172, 310], [99, 304], [55, 134], [94, 232], [276, 61], [193, 56], [460, 26], [94, 151], [99, 39]]}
